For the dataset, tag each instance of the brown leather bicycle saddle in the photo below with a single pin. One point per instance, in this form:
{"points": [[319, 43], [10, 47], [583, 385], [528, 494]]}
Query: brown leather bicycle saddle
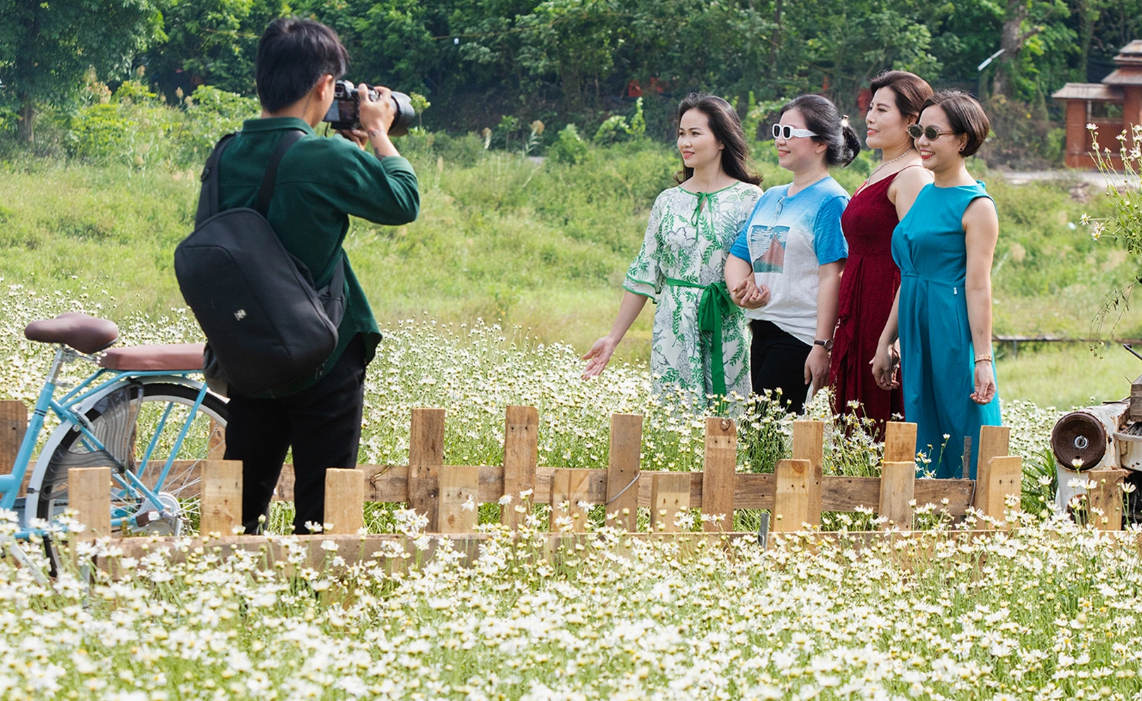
{"points": [[84, 333], [166, 357]]}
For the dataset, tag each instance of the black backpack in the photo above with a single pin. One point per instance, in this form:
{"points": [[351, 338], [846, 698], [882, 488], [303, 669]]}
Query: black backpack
{"points": [[266, 326]]}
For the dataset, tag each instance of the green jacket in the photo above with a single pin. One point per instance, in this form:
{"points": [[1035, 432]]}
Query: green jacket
{"points": [[320, 182]]}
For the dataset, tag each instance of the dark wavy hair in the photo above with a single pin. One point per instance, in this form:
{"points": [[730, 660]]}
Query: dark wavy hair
{"points": [[823, 118], [727, 128]]}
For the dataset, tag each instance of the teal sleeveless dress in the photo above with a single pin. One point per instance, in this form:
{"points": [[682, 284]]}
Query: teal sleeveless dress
{"points": [[937, 358]]}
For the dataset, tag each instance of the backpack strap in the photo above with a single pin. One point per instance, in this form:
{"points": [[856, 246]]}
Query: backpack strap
{"points": [[266, 191], [208, 195]]}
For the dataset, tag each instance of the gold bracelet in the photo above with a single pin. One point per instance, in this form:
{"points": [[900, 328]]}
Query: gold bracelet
{"points": [[988, 358]]}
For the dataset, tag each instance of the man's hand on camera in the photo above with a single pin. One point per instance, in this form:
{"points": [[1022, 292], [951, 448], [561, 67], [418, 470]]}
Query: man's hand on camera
{"points": [[357, 136], [375, 114], [376, 117]]}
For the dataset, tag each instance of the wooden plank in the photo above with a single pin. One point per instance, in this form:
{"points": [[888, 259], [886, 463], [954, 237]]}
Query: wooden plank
{"points": [[1105, 499], [993, 443], [793, 498], [899, 442], [718, 468], [1005, 479], [221, 496], [216, 442], [459, 486], [670, 493], [897, 490], [89, 494], [13, 425], [958, 493], [521, 455], [622, 471], [809, 444], [344, 501], [569, 489], [425, 458]]}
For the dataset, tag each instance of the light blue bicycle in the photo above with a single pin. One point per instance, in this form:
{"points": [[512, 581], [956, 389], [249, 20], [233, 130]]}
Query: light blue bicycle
{"points": [[145, 412]]}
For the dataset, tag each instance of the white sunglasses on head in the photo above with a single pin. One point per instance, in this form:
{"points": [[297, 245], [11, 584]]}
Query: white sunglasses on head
{"points": [[784, 131]]}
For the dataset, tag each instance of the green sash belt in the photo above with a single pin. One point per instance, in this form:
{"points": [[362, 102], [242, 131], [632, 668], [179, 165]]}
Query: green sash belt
{"points": [[713, 307]]}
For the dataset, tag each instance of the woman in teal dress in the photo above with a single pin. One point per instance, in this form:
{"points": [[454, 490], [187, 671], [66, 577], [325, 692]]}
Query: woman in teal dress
{"points": [[944, 248]]}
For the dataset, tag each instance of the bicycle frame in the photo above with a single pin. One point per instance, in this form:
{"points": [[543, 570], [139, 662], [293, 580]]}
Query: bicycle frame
{"points": [[71, 409]]}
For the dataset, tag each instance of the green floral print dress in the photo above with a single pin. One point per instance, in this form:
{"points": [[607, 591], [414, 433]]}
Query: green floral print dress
{"points": [[681, 267]]}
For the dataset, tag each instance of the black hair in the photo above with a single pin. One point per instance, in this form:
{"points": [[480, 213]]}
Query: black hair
{"points": [[727, 128], [823, 118], [293, 54], [965, 116]]}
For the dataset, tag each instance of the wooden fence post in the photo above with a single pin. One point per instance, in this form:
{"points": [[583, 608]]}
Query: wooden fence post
{"points": [[1106, 496], [669, 494], [793, 497], [897, 490], [344, 501], [216, 441], [809, 444], [719, 465], [993, 442], [425, 458], [89, 493], [459, 499], [623, 470], [521, 454], [221, 496], [13, 424], [899, 442], [570, 486], [1004, 478]]}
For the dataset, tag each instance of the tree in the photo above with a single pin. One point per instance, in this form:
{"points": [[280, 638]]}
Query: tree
{"points": [[46, 47], [1023, 22], [214, 40]]}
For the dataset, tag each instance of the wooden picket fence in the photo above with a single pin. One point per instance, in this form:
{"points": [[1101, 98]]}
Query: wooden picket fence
{"points": [[795, 494]]}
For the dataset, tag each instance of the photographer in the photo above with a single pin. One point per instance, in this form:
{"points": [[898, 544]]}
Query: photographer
{"points": [[319, 183]]}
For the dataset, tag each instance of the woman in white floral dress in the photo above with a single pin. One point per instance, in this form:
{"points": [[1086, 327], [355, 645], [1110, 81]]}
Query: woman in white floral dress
{"points": [[700, 343]]}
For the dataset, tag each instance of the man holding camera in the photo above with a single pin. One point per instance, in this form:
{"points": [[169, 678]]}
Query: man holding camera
{"points": [[319, 183]]}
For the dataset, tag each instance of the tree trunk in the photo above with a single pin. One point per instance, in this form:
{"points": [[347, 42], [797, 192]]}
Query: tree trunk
{"points": [[27, 117], [1012, 43], [775, 40]]}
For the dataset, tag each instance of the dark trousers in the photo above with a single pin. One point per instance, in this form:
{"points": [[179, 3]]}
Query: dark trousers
{"points": [[777, 360], [323, 425]]}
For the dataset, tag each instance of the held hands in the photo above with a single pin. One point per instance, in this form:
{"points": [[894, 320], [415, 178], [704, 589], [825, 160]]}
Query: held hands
{"points": [[984, 383], [884, 366], [598, 357], [748, 295]]}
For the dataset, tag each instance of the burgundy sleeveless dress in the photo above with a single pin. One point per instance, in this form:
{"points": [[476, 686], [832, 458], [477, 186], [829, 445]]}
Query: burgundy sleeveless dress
{"points": [[868, 287]]}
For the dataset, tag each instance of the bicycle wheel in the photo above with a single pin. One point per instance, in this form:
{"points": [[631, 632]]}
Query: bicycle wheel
{"points": [[127, 422]]}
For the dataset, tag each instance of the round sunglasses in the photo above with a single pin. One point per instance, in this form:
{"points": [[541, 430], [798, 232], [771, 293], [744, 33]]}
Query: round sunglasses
{"points": [[916, 131], [784, 131]]}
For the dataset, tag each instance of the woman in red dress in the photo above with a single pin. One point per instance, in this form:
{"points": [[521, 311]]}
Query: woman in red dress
{"points": [[871, 277]]}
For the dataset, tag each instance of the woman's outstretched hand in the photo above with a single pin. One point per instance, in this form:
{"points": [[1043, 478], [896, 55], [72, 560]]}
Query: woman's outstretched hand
{"points": [[984, 384], [748, 295], [884, 366], [598, 357]]}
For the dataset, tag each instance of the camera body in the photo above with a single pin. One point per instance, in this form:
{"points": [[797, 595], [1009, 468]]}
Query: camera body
{"points": [[344, 112]]}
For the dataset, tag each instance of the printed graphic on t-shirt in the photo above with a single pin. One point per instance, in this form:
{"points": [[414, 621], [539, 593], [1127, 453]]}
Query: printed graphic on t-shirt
{"points": [[770, 242]]}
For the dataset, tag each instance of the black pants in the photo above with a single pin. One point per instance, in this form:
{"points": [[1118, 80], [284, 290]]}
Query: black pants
{"points": [[777, 360], [321, 423]]}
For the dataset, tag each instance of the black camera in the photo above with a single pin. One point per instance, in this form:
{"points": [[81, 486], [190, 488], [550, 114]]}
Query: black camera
{"points": [[344, 114]]}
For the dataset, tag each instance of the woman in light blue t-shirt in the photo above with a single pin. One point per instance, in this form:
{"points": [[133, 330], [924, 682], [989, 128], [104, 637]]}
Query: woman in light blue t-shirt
{"points": [[785, 268]]}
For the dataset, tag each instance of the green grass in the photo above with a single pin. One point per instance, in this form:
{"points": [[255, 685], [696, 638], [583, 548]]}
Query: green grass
{"points": [[1066, 375]]}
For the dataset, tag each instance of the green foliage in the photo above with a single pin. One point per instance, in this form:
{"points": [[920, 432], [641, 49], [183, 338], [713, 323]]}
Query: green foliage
{"points": [[47, 48], [569, 147], [612, 130]]}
